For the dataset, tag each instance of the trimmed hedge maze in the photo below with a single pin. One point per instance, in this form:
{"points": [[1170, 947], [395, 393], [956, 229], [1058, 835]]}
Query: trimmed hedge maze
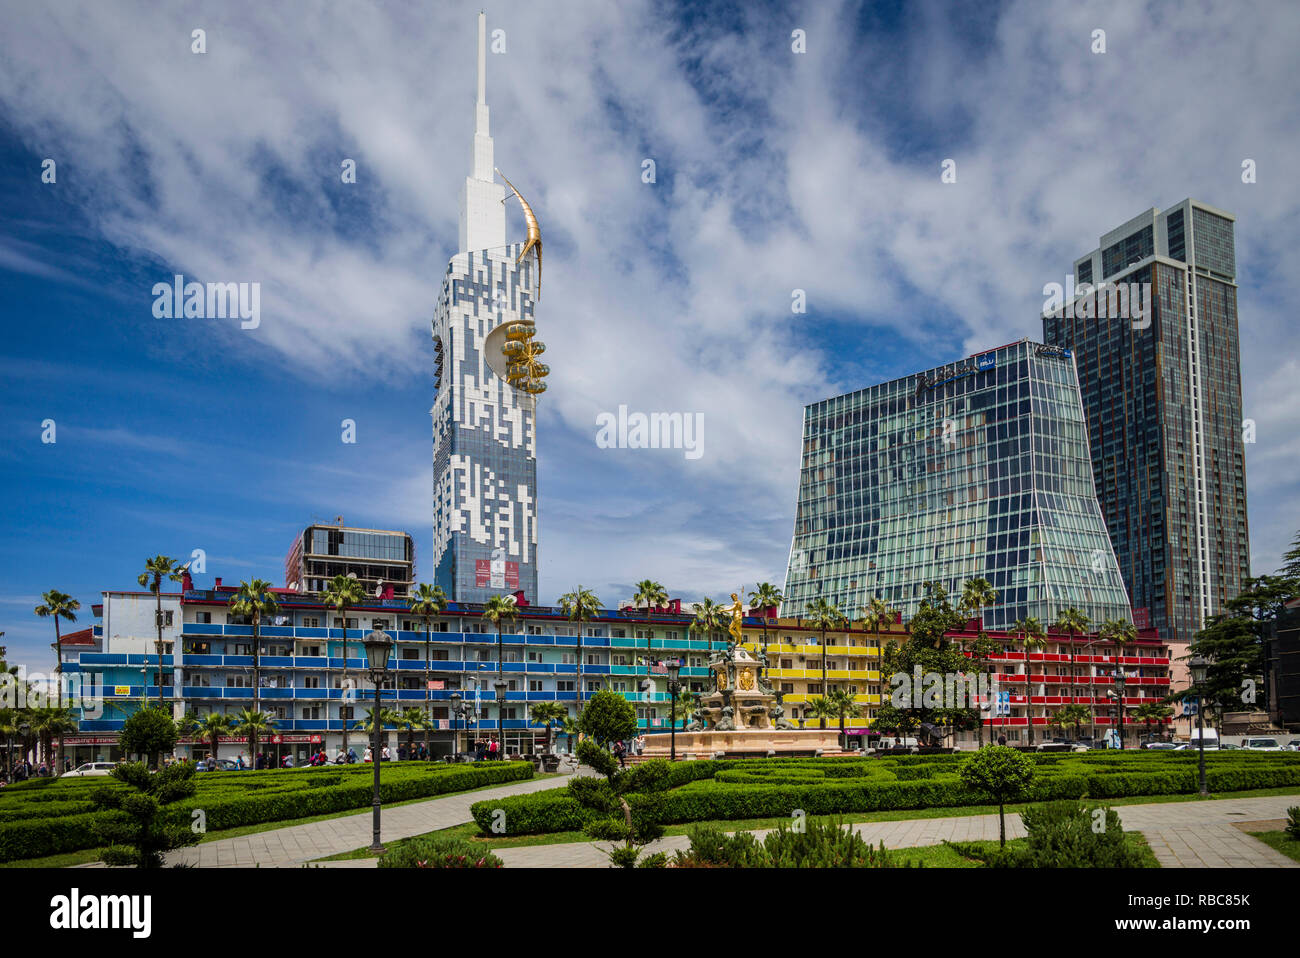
{"points": [[729, 790], [50, 816]]}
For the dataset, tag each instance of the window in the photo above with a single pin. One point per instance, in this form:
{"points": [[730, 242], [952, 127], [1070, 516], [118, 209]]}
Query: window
{"points": [[534, 656], [410, 654], [311, 650], [311, 682], [311, 711], [198, 648], [568, 658], [535, 630], [243, 648], [535, 685], [345, 712], [379, 623], [204, 617], [310, 622], [564, 686], [237, 682], [338, 623]]}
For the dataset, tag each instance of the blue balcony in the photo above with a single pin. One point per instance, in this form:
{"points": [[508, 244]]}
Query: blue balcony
{"points": [[200, 628]]}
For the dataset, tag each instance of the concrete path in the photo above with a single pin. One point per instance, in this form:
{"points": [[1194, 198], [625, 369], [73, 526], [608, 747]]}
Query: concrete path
{"points": [[1181, 834], [295, 845]]}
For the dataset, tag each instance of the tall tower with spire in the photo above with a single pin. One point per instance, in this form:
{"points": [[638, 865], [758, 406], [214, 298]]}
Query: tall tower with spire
{"points": [[484, 429]]}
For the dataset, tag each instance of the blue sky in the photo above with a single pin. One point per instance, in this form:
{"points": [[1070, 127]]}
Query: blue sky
{"points": [[776, 171]]}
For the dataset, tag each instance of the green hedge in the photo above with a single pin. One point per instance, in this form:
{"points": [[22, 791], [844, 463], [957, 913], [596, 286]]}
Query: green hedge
{"points": [[232, 799]]}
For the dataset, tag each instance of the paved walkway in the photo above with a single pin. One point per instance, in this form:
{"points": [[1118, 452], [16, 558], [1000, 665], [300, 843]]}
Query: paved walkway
{"points": [[294, 845], [1181, 834]]}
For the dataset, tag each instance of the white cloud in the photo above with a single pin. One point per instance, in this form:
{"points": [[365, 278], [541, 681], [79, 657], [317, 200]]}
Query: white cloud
{"points": [[776, 172]]}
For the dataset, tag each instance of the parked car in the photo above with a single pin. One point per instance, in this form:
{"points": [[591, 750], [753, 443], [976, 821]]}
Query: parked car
{"points": [[223, 765], [1161, 745], [94, 768], [1293, 745], [1210, 746], [1261, 745]]}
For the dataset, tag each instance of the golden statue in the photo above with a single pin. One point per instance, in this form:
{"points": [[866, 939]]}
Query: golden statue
{"points": [[534, 240], [746, 680], [737, 617]]}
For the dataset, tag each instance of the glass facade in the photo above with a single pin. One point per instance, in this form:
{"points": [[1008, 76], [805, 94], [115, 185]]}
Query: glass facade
{"points": [[1163, 406], [977, 468]]}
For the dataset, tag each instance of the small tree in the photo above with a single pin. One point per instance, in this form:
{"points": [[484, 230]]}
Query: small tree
{"points": [[1001, 773], [149, 732], [143, 839], [607, 718], [620, 821]]}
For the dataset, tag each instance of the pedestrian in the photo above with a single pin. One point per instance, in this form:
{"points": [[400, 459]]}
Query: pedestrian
{"points": [[620, 753], [211, 763], [385, 757], [401, 753], [367, 757], [352, 756], [1002, 739], [242, 764]]}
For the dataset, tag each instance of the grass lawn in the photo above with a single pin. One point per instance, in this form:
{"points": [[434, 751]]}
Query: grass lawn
{"points": [[85, 855], [1280, 841], [470, 830]]}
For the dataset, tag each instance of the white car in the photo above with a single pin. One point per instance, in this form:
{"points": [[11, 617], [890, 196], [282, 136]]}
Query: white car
{"points": [[1262, 745], [94, 768]]}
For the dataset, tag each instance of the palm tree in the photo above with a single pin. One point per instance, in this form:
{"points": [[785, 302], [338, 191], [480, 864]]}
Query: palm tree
{"points": [[841, 704], [1071, 716], [824, 615], [765, 596], [1072, 622], [653, 595], [977, 595], [9, 730], [1150, 712], [426, 602], [708, 619], [58, 605], [214, 727], [580, 605], [387, 716], [495, 610], [875, 613], [547, 714], [342, 594], [1032, 639], [253, 601], [46, 724], [411, 719], [155, 570], [252, 723], [1119, 633]]}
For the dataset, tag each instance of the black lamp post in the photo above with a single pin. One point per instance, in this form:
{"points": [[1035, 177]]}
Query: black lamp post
{"points": [[1197, 666], [455, 734], [1121, 677], [500, 687], [674, 687], [378, 645]]}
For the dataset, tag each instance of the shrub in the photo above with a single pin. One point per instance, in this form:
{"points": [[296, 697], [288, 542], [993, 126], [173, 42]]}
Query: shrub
{"points": [[1293, 822], [149, 732], [1065, 835], [820, 844], [1001, 773], [435, 852], [232, 799], [144, 838]]}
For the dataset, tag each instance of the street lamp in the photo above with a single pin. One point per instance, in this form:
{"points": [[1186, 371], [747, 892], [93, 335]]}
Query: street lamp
{"points": [[455, 735], [1121, 677], [674, 687], [378, 645], [501, 686], [1198, 667]]}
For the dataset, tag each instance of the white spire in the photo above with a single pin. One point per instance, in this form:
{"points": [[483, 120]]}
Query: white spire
{"points": [[482, 214]]}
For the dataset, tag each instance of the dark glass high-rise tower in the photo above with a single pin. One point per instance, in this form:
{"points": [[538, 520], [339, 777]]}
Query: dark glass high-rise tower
{"points": [[975, 469], [1162, 394]]}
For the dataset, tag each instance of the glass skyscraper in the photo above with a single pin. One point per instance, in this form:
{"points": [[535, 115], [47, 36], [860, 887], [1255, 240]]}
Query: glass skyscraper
{"points": [[484, 429], [976, 468], [1162, 394]]}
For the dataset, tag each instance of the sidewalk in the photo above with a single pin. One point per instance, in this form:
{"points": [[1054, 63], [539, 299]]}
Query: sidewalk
{"points": [[1181, 834], [296, 845]]}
